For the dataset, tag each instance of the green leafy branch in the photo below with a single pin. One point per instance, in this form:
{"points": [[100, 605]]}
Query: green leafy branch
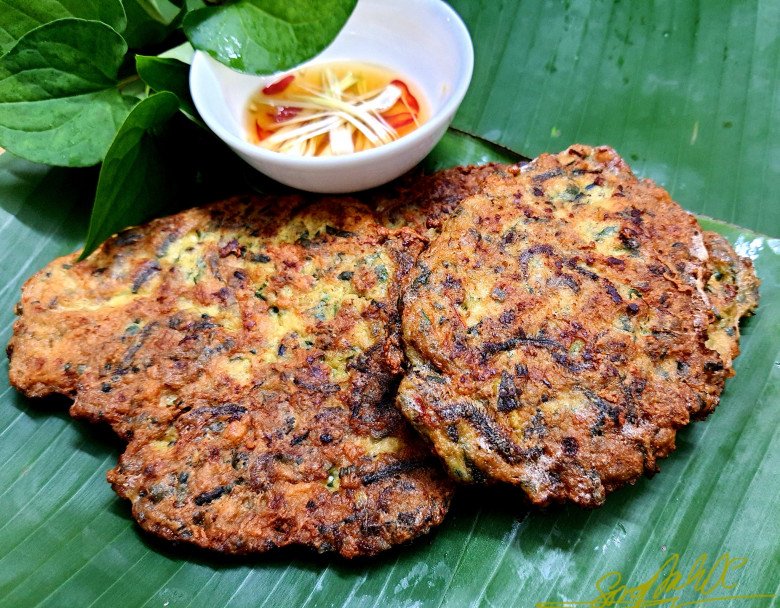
{"points": [[82, 83]]}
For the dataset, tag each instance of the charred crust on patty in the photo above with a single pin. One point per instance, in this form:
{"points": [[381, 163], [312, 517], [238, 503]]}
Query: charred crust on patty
{"points": [[246, 350], [622, 314]]}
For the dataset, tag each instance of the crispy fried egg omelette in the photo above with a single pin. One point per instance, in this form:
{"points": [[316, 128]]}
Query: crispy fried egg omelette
{"points": [[248, 352], [564, 324]]}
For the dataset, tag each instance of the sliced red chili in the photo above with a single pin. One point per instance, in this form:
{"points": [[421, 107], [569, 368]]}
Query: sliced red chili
{"points": [[399, 120], [278, 86], [261, 132], [283, 113], [409, 99]]}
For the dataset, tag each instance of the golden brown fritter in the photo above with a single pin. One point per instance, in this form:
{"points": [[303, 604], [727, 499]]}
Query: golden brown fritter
{"points": [[247, 351], [558, 329], [422, 202]]}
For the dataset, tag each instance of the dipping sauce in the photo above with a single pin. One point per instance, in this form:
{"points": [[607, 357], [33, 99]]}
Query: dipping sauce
{"points": [[332, 109]]}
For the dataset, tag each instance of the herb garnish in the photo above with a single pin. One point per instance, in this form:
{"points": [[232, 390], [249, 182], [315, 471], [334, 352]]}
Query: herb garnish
{"points": [[102, 81]]}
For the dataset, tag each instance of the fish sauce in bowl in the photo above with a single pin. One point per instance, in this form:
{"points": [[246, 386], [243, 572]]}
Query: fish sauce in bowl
{"points": [[334, 109]]}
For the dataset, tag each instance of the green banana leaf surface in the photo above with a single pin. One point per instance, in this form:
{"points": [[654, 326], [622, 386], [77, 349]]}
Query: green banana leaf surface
{"points": [[689, 93]]}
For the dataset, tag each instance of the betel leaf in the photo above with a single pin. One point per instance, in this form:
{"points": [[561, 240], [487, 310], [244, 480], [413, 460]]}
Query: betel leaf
{"points": [[265, 36], [183, 52], [161, 11], [17, 17], [142, 29], [172, 75], [132, 183], [59, 102]]}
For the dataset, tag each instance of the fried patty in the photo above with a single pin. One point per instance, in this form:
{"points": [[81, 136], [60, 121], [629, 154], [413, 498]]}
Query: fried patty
{"points": [[423, 202], [248, 352], [565, 323]]}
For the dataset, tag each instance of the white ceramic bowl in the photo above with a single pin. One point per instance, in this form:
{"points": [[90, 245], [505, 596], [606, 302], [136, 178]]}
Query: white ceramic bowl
{"points": [[424, 40]]}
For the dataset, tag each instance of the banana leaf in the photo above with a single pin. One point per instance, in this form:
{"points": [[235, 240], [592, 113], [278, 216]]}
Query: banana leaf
{"points": [[688, 93]]}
